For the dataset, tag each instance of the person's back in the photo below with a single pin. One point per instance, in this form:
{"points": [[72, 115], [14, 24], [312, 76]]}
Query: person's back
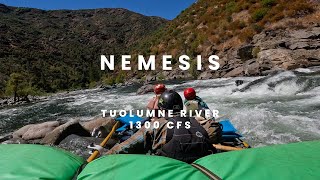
{"points": [[194, 103], [187, 140], [206, 118], [186, 143]]}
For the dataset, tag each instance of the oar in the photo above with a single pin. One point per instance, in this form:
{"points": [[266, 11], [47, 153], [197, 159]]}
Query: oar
{"points": [[95, 154], [226, 148]]}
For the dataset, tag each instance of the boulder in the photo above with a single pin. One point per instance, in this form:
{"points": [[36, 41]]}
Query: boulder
{"points": [[78, 145], [299, 45], [145, 89], [5, 138], [235, 72], [290, 65], [20, 132], [239, 82], [205, 75], [252, 68], [39, 131], [106, 122], [119, 85], [61, 132], [15, 140], [276, 57], [106, 87], [176, 74], [302, 34], [245, 52], [151, 78]]}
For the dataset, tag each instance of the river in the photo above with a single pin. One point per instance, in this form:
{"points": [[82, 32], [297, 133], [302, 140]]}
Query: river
{"points": [[277, 109]]}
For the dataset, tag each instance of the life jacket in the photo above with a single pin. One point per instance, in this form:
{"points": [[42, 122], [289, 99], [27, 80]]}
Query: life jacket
{"points": [[198, 104], [185, 144]]}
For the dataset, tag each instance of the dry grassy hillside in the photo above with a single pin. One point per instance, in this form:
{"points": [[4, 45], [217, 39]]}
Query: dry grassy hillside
{"points": [[223, 26]]}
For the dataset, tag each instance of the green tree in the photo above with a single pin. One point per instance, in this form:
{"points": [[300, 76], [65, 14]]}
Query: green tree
{"points": [[193, 69], [120, 77], [19, 85], [108, 80], [15, 83]]}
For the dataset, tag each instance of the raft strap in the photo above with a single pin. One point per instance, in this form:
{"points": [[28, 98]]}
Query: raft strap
{"points": [[206, 172]]}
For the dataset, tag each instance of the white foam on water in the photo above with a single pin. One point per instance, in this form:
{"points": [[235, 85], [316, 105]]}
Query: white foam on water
{"points": [[308, 101], [287, 88], [8, 111], [314, 91], [301, 123], [281, 76], [204, 82], [304, 70], [216, 92], [257, 124], [85, 100]]}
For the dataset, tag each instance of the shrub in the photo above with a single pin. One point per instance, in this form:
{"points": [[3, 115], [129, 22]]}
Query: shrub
{"points": [[237, 25], [258, 28], [193, 69], [19, 85], [246, 35], [92, 84], [268, 3], [120, 77], [259, 14], [161, 77], [298, 9], [229, 19], [255, 51], [231, 7], [245, 6], [109, 80]]}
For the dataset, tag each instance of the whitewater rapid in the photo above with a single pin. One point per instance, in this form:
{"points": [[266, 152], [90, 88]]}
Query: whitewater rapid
{"points": [[277, 109]]}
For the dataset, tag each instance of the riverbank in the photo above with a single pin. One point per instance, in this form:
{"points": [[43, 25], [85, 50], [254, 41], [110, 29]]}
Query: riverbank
{"points": [[4, 102]]}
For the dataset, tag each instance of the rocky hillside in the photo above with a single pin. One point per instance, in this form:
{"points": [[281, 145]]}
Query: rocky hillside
{"points": [[61, 49], [251, 37]]}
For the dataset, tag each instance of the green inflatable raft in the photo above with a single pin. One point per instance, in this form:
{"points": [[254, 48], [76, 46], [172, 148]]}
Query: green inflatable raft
{"points": [[291, 161]]}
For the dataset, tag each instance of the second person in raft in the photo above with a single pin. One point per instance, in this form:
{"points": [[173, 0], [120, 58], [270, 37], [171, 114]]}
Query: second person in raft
{"points": [[158, 89], [193, 102], [207, 120], [153, 103], [184, 144]]}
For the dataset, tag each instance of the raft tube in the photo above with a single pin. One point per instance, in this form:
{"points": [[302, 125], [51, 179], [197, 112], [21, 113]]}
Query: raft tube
{"points": [[286, 162]]}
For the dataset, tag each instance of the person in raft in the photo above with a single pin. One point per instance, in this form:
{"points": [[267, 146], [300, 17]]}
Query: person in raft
{"points": [[158, 90], [193, 102], [164, 136], [152, 105]]}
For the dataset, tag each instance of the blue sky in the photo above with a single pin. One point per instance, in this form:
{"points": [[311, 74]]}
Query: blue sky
{"points": [[168, 9]]}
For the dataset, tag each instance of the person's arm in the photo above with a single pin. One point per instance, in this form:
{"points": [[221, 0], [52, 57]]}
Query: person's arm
{"points": [[151, 103], [129, 144]]}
